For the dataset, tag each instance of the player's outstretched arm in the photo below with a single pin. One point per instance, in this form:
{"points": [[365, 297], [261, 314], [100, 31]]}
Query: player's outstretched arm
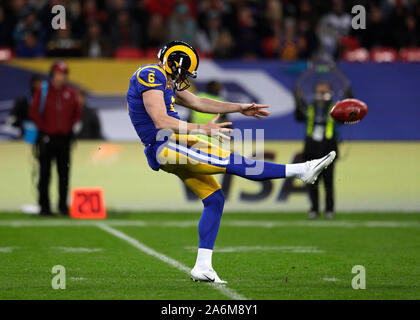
{"points": [[155, 107], [201, 104]]}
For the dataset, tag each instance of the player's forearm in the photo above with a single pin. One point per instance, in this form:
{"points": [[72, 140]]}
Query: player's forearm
{"points": [[213, 106], [175, 125]]}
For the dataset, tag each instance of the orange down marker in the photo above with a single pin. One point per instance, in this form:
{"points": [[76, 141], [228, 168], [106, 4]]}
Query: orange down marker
{"points": [[87, 203]]}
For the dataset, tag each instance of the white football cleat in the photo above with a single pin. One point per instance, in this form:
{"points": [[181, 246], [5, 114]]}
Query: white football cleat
{"points": [[208, 275], [316, 166]]}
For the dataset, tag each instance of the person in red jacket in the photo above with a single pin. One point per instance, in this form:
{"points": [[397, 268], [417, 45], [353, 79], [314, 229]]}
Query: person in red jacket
{"points": [[55, 109]]}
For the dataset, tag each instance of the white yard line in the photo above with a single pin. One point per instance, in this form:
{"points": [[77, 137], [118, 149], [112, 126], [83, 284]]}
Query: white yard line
{"points": [[7, 249], [330, 279], [78, 249], [288, 249], [178, 265], [226, 223], [77, 278]]}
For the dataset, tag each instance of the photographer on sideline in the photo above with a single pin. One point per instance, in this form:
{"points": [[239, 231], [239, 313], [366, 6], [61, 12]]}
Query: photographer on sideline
{"points": [[321, 138]]}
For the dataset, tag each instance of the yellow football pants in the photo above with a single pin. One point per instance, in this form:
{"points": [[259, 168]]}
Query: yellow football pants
{"points": [[194, 161]]}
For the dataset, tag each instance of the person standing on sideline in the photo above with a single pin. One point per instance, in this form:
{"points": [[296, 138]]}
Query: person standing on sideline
{"points": [[55, 109], [321, 138]]}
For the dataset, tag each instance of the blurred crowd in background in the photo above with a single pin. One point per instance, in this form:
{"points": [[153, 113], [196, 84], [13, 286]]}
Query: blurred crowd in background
{"points": [[222, 29]]}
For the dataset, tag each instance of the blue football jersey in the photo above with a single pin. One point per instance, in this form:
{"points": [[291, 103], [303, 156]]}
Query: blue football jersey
{"points": [[148, 77]]}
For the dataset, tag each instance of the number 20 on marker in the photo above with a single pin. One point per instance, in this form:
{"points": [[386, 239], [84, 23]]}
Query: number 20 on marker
{"points": [[88, 203]]}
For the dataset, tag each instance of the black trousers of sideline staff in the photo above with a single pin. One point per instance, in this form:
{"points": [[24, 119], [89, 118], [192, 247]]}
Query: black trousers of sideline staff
{"points": [[328, 178], [49, 148], [317, 149]]}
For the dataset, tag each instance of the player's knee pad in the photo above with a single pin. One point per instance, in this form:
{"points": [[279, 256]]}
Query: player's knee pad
{"points": [[215, 200]]}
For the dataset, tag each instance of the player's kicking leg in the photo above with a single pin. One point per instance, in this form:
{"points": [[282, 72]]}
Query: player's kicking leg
{"points": [[307, 171]]}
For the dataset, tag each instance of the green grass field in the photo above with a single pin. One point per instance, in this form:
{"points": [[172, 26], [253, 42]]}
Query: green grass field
{"points": [[262, 256]]}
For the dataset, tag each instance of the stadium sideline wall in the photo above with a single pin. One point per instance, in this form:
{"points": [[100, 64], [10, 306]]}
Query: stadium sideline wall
{"points": [[367, 179]]}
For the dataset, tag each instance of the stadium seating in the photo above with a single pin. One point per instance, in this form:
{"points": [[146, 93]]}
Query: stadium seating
{"points": [[128, 53], [151, 53], [410, 54], [356, 55], [6, 53], [383, 54], [350, 43], [269, 47]]}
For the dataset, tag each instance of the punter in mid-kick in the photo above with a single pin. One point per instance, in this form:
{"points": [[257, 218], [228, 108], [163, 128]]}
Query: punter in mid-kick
{"points": [[153, 91]]}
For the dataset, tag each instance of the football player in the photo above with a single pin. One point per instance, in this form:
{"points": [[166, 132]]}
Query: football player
{"points": [[153, 91]]}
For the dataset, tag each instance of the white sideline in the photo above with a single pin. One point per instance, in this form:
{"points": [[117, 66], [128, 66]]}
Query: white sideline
{"points": [[225, 223], [178, 265]]}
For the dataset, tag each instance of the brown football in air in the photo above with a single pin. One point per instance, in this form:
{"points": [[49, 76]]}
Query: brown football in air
{"points": [[349, 111]]}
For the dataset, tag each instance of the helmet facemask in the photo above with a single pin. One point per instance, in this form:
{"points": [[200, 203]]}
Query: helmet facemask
{"points": [[180, 77]]}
